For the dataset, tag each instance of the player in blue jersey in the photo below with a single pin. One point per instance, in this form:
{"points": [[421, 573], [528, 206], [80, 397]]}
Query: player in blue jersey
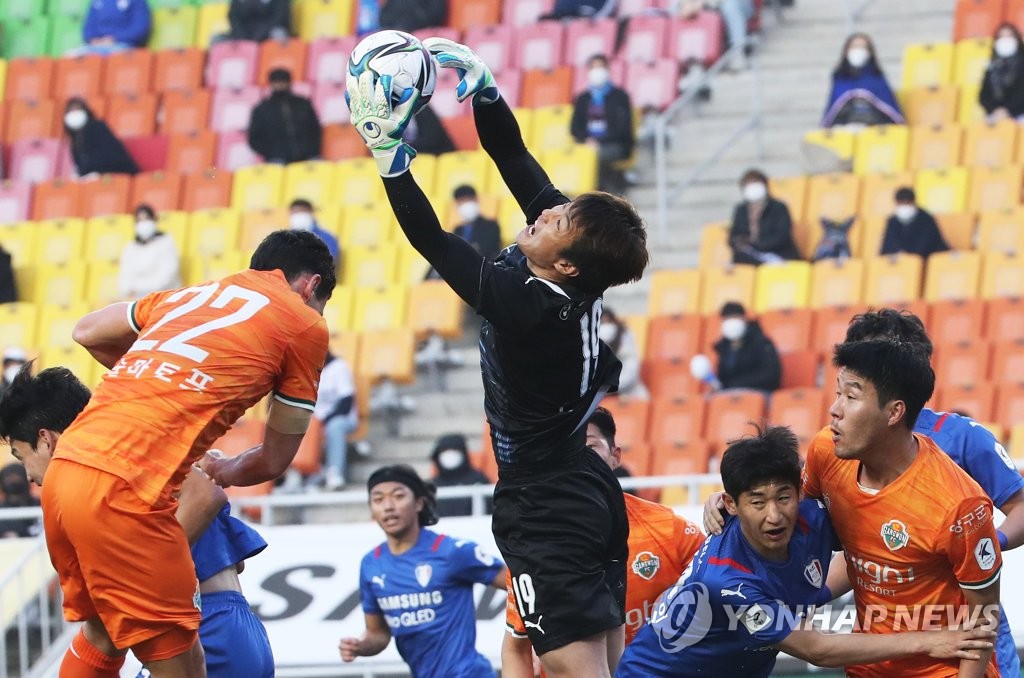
{"points": [[418, 585], [747, 594]]}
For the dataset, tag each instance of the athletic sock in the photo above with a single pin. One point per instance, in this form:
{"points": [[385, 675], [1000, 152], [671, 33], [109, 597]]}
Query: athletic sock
{"points": [[84, 660]]}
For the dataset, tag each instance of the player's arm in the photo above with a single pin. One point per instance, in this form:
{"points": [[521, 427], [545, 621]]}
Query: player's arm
{"points": [[837, 650], [106, 334], [372, 642], [286, 426], [198, 504], [988, 463], [1011, 531], [838, 580], [516, 657], [983, 606], [499, 579]]}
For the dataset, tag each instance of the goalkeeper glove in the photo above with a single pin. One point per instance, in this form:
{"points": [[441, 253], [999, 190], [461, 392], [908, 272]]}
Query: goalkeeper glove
{"points": [[379, 124], [475, 77]]}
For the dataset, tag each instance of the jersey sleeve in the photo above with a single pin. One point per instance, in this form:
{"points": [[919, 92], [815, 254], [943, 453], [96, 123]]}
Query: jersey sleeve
{"points": [[473, 565], [760, 617], [968, 539], [300, 371], [366, 596], [688, 539], [813, 467], [989, 464], [141, 312]]}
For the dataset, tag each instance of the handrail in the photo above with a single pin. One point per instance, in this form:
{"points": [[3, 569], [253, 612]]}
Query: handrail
{"points": [[854, 11]]}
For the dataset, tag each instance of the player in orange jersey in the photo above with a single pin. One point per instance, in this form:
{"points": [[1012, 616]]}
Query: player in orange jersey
{"points": [[184, 364], [661, 545]]}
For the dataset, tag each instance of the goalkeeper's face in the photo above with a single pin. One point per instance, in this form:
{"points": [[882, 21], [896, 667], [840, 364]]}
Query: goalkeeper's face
{"points": [[544, 242]]}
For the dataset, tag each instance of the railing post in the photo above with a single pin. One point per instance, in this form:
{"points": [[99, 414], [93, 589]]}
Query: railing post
{"points": [[661, 176], [758, 90]]}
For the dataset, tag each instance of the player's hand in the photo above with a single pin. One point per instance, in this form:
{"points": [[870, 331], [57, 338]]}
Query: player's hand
{"points": [[713, 520], [475, 78], [964, 644], [380, 125], [209, 462], [349, 649]]}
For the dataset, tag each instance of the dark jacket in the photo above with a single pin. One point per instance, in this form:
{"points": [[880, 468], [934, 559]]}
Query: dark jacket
{"points": [[483, 234], [753, 364], [284, 128], [574, 8], [775, 234], [464, 474], [255, 19], [127, 24], [8, 284], [920, 236], [618, 115], [412, 15], [14, 483], [94, 148], [1003, 86], [426, 133]]}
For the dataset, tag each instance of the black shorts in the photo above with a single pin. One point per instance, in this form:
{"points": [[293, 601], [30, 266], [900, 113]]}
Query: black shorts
{"points": [[563, 536]]}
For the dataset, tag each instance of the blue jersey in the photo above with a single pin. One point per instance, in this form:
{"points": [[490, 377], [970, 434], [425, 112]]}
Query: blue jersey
{"points": [[426, 597], [226, 542], [732, 607]]}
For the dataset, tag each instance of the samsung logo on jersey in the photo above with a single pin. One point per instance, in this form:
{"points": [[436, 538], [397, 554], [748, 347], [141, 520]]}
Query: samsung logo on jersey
{"points": [[407, 600]]}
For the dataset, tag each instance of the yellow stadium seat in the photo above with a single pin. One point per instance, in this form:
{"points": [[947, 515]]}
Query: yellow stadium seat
{"points": [[338, 312], [970, 59], [995, 188], [18, 324], [573, 170], [990, 145], [59, 241], [174, 28], [1002, 275], [19, 240], [61, 284], [458, 168], [3, 77], [934, 147], [322, 18], [525, 118], [412, 267], [357, 180], [674, 292], [839, 141], [714, 246], [214, 267], [735, 283], [551, 128], [511, 219], [782, 286], [365, 267], [952, 275], [836, 282], [793, 192], [387, 353], [175, 224], [943, 190], [871, 233], [312, 181], [1017, 439], [213, 232], [957, 229], [829, 196], [893, 279], [258, 224], [379, 309], [434, 308], [212, 20], [881, 148], [931, 106], [257, 187], [368, 225], [1001, 230], [102, 283], [969, 111], [76, 359], [55, 324], [105, 237], [927, 65]]}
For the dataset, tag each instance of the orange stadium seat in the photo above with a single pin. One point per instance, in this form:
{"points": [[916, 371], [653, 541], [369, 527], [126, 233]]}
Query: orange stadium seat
{"points": [[259, 223], [789, 329], [881, 149], [977, 18], [675, 337], [434, 308], [192, 152], [160, 190], [836, 282], [29, 79], [35, 160], [877, 196], [731, 284], [1007, 361], [205, 190], [310, 453], [232, 64], [952, 275], [547, 88], [990, 145], [637, 460], [387, 354], [781, 286], [669, 378], [832, 196], [1000, 230], [107, 195], [830, 324], [56, 199], [631, 417], [674, 292], [802, 409], [698, 38], [540, 46], [964, 364], [933, 147], [1010, 404], [131, 115], [686, 457], [342, 142], [328, 58], [995, 188], [129, 72], [800, 368], [955, 320], [80, 76], [30, 120], [730, 413], [677, 419], [793, 192], [186, 112], [645, 39], [957, 229], [584, 39], [1002, 275], [178, 70], [462, 130], [287, 54], [931, 106], [977, 400], [467, 14]]}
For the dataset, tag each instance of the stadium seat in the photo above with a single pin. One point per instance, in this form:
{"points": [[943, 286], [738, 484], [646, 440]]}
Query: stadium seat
{"points": [[311, 181], [462, 130], [804, 410], [675, 337], [467, 14], [191, 152], [213, 232], [342, 142], [131, 115], [186, 112], [458, 168], [493, 43], [789, 329], [573, 170], [676, 420], [1010, 405], [524, 12], [990, 145], [970, 59], [307, 460], [233, 151], [957, 229], [369, 225], [836, 139], [387, 353], [34, 160], [878, 191], [587, 37], [357, 181], [977, 400], [714, 247], [338, 314], [931, 106], [977, 18], [173, 28], [287, 54], [631, 418], [80, 76], [550, 128], [934, 147], [881, 149], [969, 110], [680, 459], [19, 9], [943, 190], [232, 108], [15, 201], [833, 196], [379, 309], [412, 267], [732, 284], [646, 38], [893, 279], [1000, 230], [964, 364], [370, 268], [329, 102], [55, 324], [667, 379], [106, 195], [76, 359], [102, 283], [697, 39], [1007, 361], [995, 188], [20, 242], [55, 199], [1002, 275], [60, 284], [178, 70], [547, 87], [952, 275], [313, 19], [434, 308], [27, 120], [18, 324], [206, 190], [781, 286], [175, 224], [233, 64], [257, 187], [793, 192], [258, 224], [730, 415], [65, 34], [955, 320], [212, 21], [328, 58], [25, 37], [830, 325], [800, 368], [652, 84], [927, 65], [674, 292], [199, 269]]}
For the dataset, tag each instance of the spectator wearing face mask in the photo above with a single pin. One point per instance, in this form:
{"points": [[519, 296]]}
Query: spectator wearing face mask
{"points": [[259, 20], [451, 458], [911, 229], [284, 127], [94, 148], [301, 217], [1002, 89], [621, 340], [569, 9], [860, 93], [482, 233], [14, 483], [602, 117], [14, 359], [762, 230], [336, 410], [746, 357], [150, 261]]}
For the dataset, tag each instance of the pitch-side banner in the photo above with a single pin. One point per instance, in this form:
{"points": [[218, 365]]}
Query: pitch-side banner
{"points": [[305, 587]]}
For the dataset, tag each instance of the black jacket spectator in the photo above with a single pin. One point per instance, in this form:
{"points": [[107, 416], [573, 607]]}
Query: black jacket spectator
{"points": [[460, 472], [575, 8], [284, 127], [774, 232], [8, 285], [1003, 84], [124, 22], [426, 133], [94, 148], [752, 362], [920, 235], [412, 15], [483, 234], [259, 20], [603, 114], [14, 483], [618, 116]]}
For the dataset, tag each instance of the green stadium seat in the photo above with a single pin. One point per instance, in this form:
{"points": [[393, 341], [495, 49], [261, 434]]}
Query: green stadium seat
{"points": [[25, 38], [173, 27], [69, 7], [65, 34], [21, 9]]}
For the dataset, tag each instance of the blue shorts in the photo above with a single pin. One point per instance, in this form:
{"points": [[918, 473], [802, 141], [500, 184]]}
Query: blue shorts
{"points": [[233, 638]]}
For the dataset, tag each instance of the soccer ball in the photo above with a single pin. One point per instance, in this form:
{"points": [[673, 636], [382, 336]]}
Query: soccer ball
{"points": [[400, 58]]}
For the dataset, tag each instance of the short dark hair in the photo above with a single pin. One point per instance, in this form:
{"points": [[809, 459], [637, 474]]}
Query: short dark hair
{"points": [[279, 75], [605, 423], [772, 454], [732, 308], [905, 194], [296, 252], [147, 210], [899, 370], [302, 204], [889, 323], [464, 191], [754, 174], [49, 400], [611, 246], [600, 56]]}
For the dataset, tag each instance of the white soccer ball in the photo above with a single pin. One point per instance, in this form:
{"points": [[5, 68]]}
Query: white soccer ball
{"points": [[399, 58]]}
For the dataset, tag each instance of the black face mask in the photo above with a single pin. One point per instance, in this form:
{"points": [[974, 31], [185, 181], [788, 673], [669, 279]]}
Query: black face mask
{"points": [[280, 93]]}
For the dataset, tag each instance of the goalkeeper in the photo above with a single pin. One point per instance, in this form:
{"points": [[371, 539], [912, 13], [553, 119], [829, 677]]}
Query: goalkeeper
{"points": [[559, 517]]}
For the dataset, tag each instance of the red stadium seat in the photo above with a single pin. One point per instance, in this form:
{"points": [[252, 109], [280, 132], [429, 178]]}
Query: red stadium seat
{"points": [[669, 378], [730, 414], [129, 72], [587, 37], [80, 76], [462, 130], [547, 88], [232, 64], [977, 18], [466, 14], [632, 8], [34, 160], [955, 321], [56, 199], [539, 46], [149, 152], [29, 79], [631, 416], [178, 70], [646, 39], [341, 142], [522, 12], [328, 58], [287, 54], [800, 368], [15, 201], [789, 329], [1008, 361], [698, 39], [493, 44], [676, 420], [1010, 404], [802, 409], [232, 108], [107, 195], [234, 152], [160, 190], [131, 115], [329, 102], [186, 112], [29, 119], [676, 337], [652, 84], [978, 400], [963, 364], [638, 459], [206, 190], [1014, 13]]}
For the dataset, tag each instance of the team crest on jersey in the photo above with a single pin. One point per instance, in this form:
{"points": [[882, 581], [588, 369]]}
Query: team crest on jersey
{"points": [[895, 535], [646, 565], [813, 573], [423, 573]]}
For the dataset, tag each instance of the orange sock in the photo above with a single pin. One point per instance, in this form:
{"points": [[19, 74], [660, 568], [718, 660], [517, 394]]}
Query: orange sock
{"points": [[83, 660]]}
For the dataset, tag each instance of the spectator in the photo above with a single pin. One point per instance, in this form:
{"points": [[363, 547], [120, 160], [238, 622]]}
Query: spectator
{"points": [[114, 25], [746, 357], [336, 410], [413, 15], [8, 283], [94, 148], [910, 229], [602, 116], [620, 339], [150, 262], [284, 127], [301, 217], [736, 14], [860, 93], [451, 457], [428, 134], [567, 9], [259, 20], [1002, 90], [14, 359], [762, 230], [14, 483], [482, 233]]}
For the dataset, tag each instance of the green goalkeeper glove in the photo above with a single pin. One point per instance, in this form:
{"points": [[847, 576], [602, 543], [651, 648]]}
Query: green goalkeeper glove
{"points": [[475, 77], [380, 125]]}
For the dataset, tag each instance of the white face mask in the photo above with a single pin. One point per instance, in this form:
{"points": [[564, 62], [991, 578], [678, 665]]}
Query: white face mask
{"points": [[858, 56], [597, 76], [608, 332], [450, 460], [1006, 46], [733, 328], [301, 221], [145, 229], [11, 372], [755, 191], [905, 213], [76, 119], [468, 211]]}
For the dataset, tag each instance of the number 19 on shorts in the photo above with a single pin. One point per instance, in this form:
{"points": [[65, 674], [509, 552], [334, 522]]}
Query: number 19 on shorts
{"points": [[522, 587]]}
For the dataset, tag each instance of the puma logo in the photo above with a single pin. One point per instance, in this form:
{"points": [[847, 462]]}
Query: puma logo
{"points": [[535, 625], [727, 592]]}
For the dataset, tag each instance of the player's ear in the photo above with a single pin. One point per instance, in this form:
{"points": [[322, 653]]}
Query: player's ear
{"points": [[730, 504], [47, 439], [897, 411], [567, 268], [309, 285]]}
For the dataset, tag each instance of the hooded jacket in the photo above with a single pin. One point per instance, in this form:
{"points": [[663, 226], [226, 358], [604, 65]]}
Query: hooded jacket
{"points": [[463, 474]]}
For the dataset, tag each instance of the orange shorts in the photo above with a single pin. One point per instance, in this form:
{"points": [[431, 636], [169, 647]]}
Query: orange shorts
{"points": [[120, 559]]}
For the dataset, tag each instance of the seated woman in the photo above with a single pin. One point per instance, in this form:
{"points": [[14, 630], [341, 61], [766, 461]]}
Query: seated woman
{"points": [[94, 148], [762, 229], [860, 93], [1002, 90], [150, 262]]}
